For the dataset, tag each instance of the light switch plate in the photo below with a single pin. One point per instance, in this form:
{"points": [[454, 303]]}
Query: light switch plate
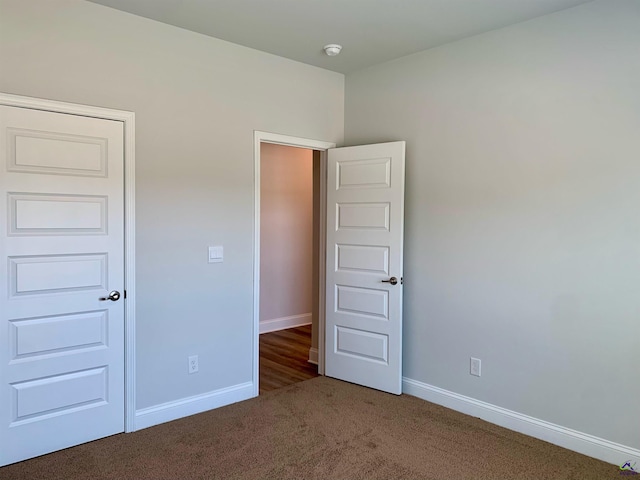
{"points": [[216, 254]]}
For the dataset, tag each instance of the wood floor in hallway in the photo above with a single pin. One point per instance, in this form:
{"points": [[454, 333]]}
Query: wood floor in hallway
{"points": [[284, 358]]}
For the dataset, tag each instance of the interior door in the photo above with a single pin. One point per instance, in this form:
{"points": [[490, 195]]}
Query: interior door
{"points": [[365, 225], [62, 248]]}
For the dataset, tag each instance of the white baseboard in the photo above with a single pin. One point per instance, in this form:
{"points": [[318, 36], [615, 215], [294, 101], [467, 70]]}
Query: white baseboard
{"points": [[313, 356], [584, 443], [281, 323], [148, 417]]}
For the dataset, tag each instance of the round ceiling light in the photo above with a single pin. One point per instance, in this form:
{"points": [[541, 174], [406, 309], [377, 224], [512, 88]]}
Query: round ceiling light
{"points": [[332, 49]]}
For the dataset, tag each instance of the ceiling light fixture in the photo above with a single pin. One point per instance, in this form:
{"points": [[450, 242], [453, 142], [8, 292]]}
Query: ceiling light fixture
{"points": [[332, 49]]}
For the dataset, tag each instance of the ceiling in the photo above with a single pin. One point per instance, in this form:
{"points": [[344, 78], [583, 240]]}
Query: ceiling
{"points": [[370, 31]]}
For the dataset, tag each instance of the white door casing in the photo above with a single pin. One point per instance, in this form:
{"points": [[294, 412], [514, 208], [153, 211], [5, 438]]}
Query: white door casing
{"points": [[62, 246], [365, 225]]}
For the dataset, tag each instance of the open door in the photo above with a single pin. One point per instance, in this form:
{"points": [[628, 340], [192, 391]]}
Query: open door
{"points": [[365, 226]]}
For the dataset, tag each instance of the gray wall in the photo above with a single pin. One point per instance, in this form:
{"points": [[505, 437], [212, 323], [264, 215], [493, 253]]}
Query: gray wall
{"points": [[522, 242], [197, 102]]}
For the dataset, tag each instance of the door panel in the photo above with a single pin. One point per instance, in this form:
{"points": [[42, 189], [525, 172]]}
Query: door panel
{"points": [[61, 348], [365, 221]]}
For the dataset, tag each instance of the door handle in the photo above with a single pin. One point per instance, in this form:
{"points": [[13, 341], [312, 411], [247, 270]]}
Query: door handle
{"points": [[114, 296], [392, 281]]}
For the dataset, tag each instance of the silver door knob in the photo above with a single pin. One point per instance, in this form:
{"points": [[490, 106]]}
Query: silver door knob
{"points": [[114, 296], [392, 281]]}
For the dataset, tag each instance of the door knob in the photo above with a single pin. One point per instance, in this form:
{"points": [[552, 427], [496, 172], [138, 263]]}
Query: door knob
{"points": [[114, 296], [392, 281]]}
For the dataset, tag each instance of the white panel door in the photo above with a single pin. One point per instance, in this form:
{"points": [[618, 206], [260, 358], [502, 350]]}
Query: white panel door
{"points": [[365, 225], [62, 248]]}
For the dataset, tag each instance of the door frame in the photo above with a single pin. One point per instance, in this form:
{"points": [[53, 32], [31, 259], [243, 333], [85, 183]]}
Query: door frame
{"points": [[322, 147], [128, 120]]}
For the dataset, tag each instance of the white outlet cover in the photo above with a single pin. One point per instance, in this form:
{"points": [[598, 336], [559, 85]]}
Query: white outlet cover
{"points": [[193, 364], [475, 367]]}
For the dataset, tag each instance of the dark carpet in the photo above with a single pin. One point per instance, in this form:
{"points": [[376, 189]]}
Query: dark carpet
{"points": [[318, 429]]}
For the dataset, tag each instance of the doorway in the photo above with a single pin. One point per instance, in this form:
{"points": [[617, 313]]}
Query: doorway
{"points": [[288, 256], [288, 306], [361, 257]]}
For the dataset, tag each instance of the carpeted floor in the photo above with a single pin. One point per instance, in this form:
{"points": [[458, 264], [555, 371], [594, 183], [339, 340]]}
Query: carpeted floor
{"points": [[318, 429]]}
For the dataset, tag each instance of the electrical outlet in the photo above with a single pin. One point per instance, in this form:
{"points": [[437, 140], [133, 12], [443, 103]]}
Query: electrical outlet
{"points": [[476, 367], [193, 364]]}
